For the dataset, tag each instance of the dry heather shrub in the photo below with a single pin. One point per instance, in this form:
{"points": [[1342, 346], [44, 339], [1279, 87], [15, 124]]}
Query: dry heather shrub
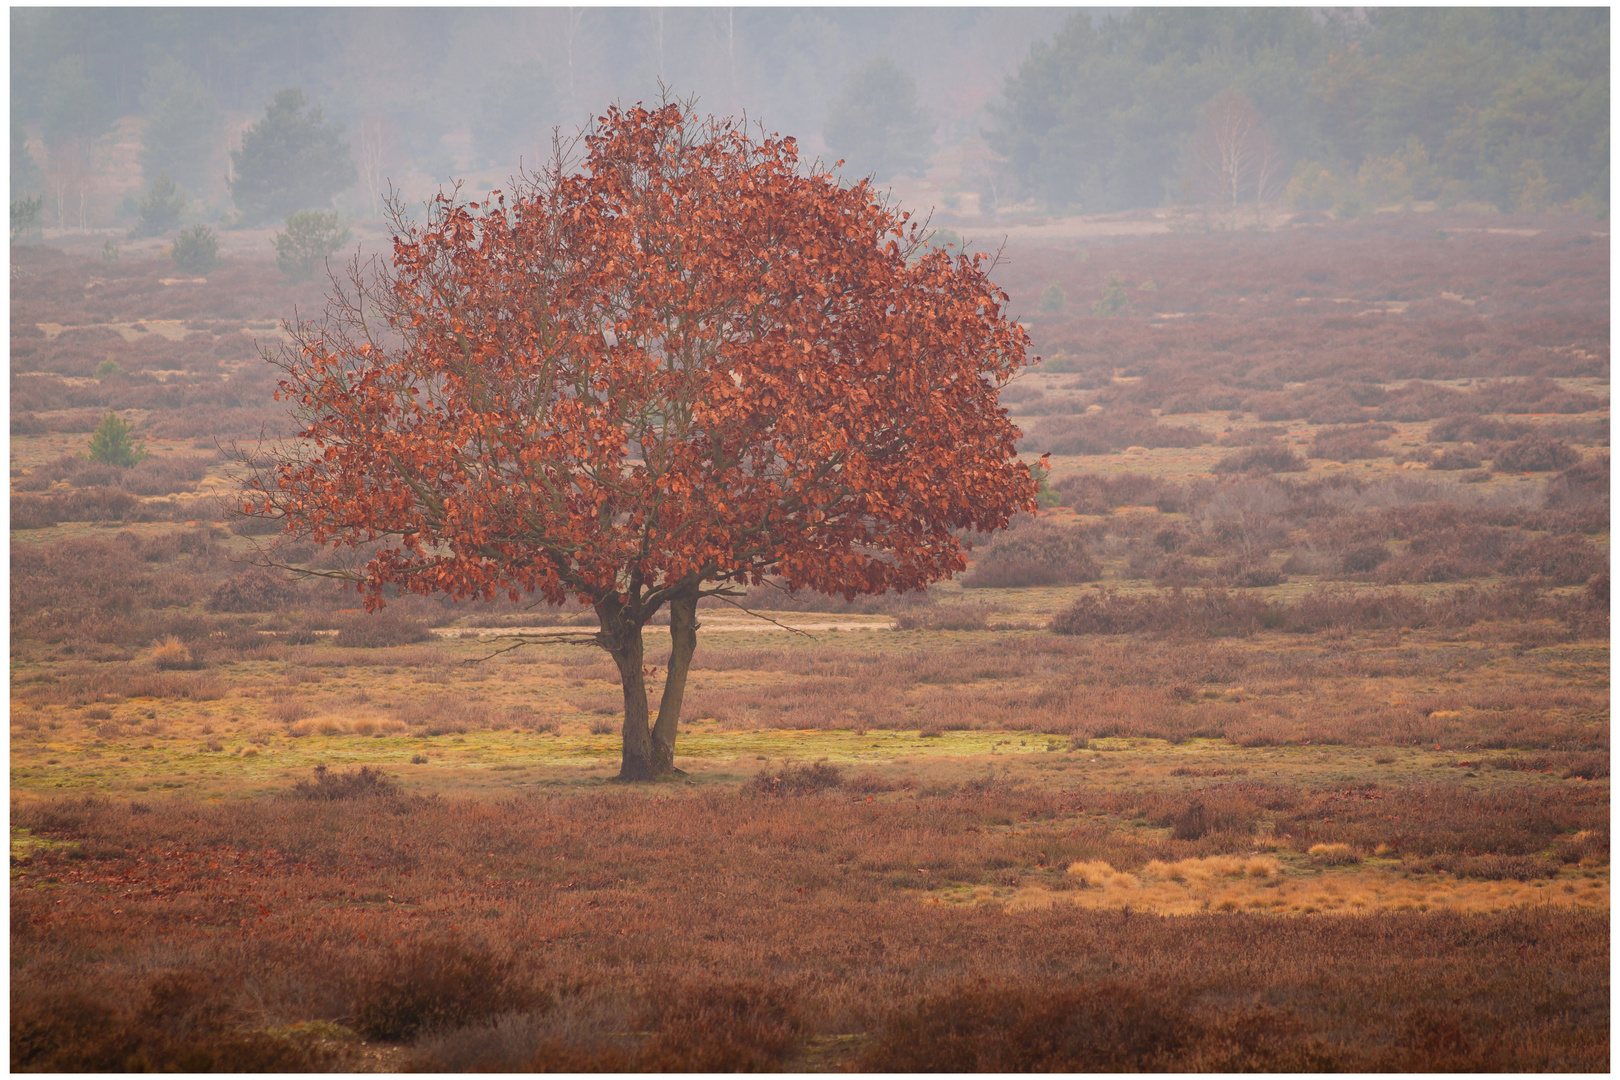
{"points": [[429, 986], [1035, 554], [1535, 453], [722, 1027], [380, 629], [578, 1032], [796, 780], [602, 725], [870, 783], [1089, 493], [1350, 443], [1561, 560], [1106, 1026], [180, 1024], [1587, 847], [1271, 458], [254, 589], [364, 782]]}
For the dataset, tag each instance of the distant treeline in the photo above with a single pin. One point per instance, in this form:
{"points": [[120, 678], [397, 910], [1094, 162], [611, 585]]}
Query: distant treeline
{"points": [[1505, 105]]}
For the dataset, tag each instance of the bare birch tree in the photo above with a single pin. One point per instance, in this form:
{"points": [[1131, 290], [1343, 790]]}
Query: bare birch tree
{"points": [[1233, 156]]}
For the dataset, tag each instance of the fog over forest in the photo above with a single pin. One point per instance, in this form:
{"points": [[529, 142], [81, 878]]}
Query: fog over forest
{"points": [[979, 110]]}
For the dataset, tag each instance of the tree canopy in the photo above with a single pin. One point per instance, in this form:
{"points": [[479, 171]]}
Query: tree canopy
{"points": [[1505, 104], [291, 160], [683, 366]]}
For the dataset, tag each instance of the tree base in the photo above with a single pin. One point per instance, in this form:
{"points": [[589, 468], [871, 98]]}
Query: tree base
{"points": [[644, 773]]}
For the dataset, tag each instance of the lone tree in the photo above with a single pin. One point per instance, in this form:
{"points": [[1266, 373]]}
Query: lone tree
{"points": [[684, 366]]}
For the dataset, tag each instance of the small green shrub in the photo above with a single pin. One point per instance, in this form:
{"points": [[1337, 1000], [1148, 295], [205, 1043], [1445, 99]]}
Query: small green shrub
{"points": [[160, 207], [311, 238], [1113, 299], [112, 444], [196, 250]]}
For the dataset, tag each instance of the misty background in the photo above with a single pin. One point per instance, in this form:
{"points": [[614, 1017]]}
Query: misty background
{"points": [[249, 115]]}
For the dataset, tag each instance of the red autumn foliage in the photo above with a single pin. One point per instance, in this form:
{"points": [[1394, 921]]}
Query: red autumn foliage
{"points": [[681, 368]]}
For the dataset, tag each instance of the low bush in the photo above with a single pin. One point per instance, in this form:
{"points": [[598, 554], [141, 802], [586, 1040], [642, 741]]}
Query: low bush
{"points": [[178, 1024], [380, 630], [1452, 459], [432, 985], [789, 780], [1350, 443], [1561, 560], [1535, 453], [195, 250], [254, 589], [1271, 458], [1091, 493], [1101, 1027], [364, 782], [1583, 483], [85, 504], [1475, 429], [1034, 554], [722, 1027]]}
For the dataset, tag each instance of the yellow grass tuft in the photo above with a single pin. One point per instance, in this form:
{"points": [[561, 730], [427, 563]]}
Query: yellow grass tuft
{"points": [[1100, 875], [170, 653], [1333, 854]]}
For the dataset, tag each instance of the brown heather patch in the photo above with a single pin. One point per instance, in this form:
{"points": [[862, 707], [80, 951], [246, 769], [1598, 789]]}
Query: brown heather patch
{"points": [[795, 918]]}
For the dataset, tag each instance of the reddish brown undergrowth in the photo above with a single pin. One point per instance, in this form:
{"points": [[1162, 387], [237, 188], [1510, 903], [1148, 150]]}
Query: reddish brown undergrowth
{"points": [[723, 930]]}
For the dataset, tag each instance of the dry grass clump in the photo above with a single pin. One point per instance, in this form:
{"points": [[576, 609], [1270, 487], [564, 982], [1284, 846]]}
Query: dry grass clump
{"points": [[171, 654], [1333, 855]]}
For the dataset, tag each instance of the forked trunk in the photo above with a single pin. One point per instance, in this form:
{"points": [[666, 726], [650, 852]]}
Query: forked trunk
{"points": [[683, 626], [623, 643], [649, 750]]}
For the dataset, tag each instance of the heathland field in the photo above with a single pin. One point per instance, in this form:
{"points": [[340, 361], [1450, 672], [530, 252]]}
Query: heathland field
{"points": [[1279, 740]]}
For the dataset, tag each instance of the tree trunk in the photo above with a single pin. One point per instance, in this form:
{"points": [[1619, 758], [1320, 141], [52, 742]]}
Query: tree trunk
{"points": [[683, 626], [623, 643]]}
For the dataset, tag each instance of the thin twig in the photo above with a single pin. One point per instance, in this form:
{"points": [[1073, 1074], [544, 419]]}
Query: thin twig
{"points": [[790, 629], [549, 639]]}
